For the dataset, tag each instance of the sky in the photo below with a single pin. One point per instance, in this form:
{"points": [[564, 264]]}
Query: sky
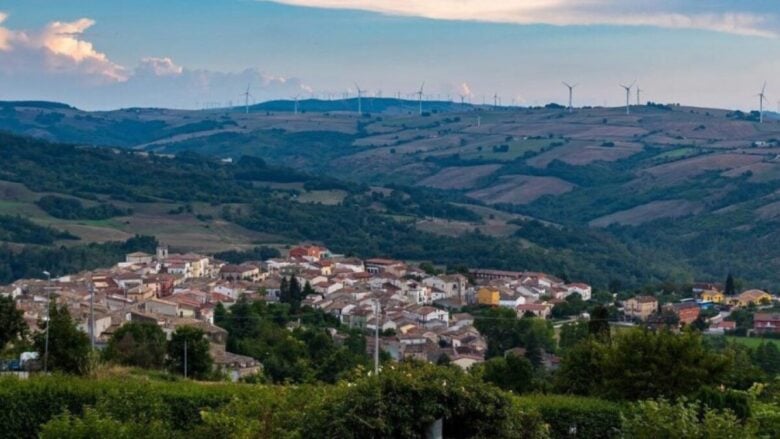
{"points": [[98, 54]]}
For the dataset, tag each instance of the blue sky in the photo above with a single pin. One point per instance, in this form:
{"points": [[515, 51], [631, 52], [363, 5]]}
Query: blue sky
{"points": [[100, 54]]}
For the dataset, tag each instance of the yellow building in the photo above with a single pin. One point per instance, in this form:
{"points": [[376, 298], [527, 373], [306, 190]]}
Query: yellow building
{"points": [[488, 296], [714, 296], [756, 297]]}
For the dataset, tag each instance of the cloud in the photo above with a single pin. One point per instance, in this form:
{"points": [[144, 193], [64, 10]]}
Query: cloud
{"points": [[5, 34], [158, 67], [673, 14], [56, 62], [58, 47]]}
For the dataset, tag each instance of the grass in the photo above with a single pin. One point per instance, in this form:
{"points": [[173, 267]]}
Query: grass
{"points": [[752, 342], [676, 154]]}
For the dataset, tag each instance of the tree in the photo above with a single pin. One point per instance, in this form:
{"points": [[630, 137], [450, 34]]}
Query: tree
{"points": [[198, 359], [571, 334], [767, 357], [12, 324], [598, 326], [731, 288], [640, 364], [307, 290], [69, 347], [682, 419], [138, 344], [509, 373]]}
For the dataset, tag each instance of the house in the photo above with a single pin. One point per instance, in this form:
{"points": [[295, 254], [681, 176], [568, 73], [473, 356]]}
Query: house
{"points": [[541, 310], [585, 291], [687, 312], [510, 299], [640, 307], [310, 252], [234, 365], [701, 287], [163, 307], [713, 296], [427, 314], [766, 323], [232, 272], [138, 258], [380, 265], [720, 328], [488, 296], [756, 297]]}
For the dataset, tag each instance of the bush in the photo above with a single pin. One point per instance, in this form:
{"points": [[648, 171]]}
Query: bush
{"points": [[662, 419], [572, 416]]}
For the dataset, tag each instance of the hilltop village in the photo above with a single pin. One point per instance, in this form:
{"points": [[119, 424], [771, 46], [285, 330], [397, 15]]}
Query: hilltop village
{"points": [[413, 313], [417, 313]]}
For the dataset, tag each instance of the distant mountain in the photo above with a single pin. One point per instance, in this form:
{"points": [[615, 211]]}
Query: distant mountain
{"points": [[369, 105]]}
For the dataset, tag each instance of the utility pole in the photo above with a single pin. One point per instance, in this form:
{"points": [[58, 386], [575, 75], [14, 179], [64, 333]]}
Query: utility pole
{"points": [[376, 337], [92, 314], [185, 358], [48, 322]]}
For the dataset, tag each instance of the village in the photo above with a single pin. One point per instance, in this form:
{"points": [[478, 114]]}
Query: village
{"points": [[411, 313]]}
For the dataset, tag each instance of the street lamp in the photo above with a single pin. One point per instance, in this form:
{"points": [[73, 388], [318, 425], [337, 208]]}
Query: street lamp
{"points": [[48, 322]]}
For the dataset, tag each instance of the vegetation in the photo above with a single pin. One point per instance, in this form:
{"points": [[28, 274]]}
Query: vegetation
{"points": [[12, 324], [67, 348], [629, 366], [138, 344], [73, 209], [188, 353], [30, 262], [22, 230], [306, 354]]}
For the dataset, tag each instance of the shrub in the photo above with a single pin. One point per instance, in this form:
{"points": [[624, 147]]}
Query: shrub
{"points": [[572, 416]]}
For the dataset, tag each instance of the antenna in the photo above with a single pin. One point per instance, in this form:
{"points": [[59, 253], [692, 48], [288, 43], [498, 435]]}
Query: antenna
{"points": [[571, 92], [628, 96], [761, 99], [420, 96]]}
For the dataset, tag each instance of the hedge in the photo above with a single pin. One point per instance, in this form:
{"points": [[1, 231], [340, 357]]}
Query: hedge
{"points": [[575, 416]]}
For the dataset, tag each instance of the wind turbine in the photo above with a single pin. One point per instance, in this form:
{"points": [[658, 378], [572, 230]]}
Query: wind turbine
{"points": [[360, 99], [246, 96], [761, 99], [495, 100], [295, 110], [420, 96], [628, 96], [571, 92], [638, 92]]}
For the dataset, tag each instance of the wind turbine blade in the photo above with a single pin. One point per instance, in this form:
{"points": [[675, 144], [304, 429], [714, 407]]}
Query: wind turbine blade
{"points": [[763, 89]]}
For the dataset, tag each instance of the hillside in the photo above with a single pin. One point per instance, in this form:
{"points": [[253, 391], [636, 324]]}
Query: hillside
{"points": [[200, 203], [695, 186]]}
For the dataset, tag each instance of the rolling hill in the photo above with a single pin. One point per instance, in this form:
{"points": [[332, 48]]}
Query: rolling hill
{"points": [[698, 188]]}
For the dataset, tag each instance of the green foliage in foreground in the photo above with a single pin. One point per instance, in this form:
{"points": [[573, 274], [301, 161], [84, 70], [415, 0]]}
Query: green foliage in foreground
{"points": [[640, 364], [400, 402]]}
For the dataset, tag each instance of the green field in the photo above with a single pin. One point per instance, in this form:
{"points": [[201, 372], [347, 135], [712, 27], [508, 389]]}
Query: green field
{"points": [[752, 342]]}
